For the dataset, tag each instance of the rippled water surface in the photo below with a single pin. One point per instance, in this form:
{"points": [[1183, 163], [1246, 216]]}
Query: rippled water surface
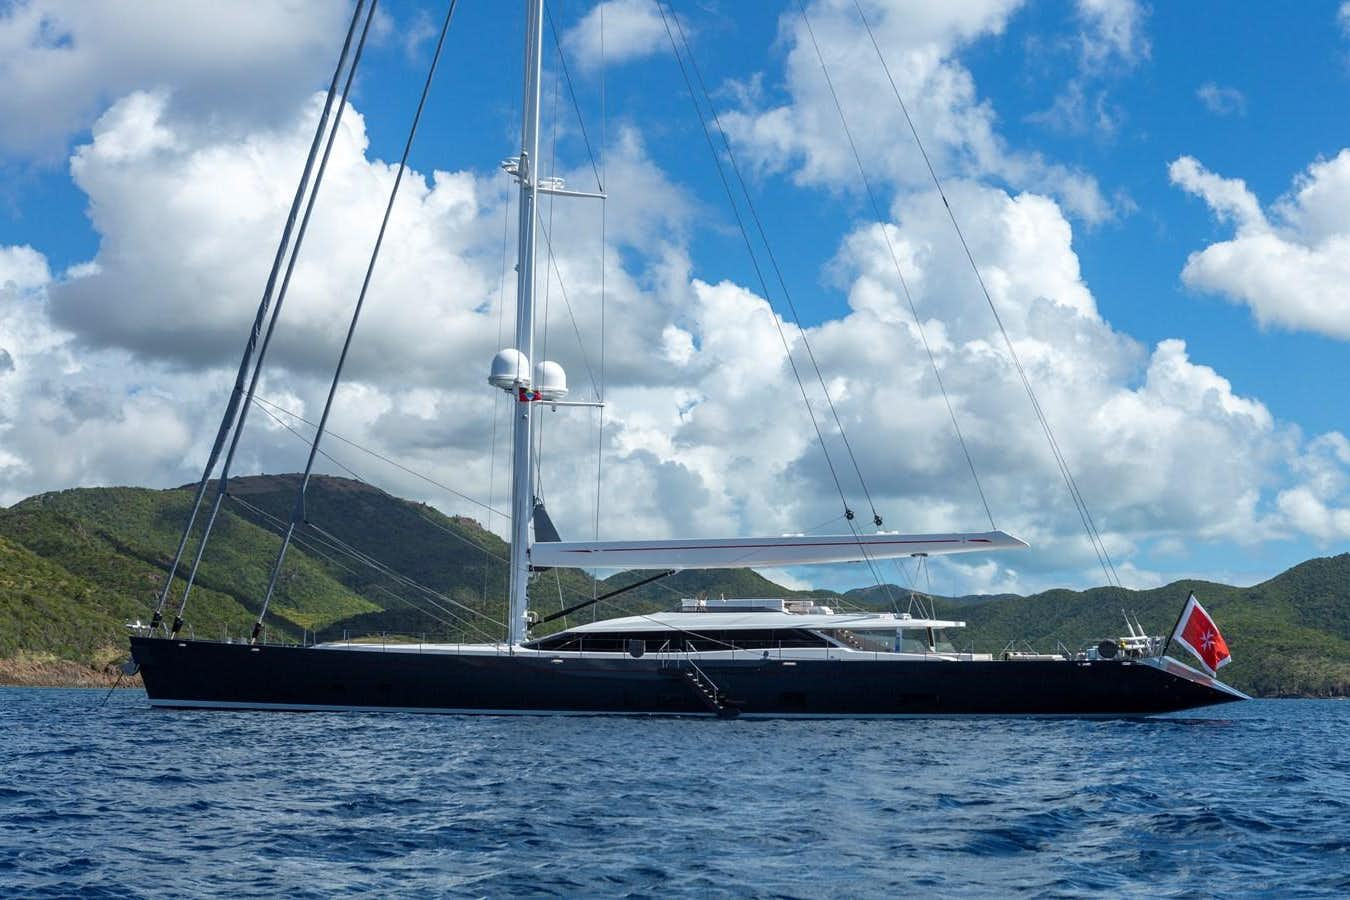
{"points": [[127, 801]]}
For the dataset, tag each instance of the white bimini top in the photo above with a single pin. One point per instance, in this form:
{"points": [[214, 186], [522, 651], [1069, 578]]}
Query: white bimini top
{"points": [[758, 621]]}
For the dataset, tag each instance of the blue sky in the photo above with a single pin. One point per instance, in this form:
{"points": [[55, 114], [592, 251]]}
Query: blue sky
{"points": [[1104, 155]]}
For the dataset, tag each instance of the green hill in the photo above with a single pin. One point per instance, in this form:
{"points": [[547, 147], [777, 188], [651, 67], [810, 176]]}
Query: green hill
{"points": [[76, 565], [1289, 635]]}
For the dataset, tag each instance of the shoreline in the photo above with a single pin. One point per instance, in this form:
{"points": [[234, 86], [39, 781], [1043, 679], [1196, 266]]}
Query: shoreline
{"points": [[62, 673]]}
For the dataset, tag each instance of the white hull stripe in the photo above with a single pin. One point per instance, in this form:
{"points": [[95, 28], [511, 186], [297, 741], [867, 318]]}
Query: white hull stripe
{"points": [[166, 703]]}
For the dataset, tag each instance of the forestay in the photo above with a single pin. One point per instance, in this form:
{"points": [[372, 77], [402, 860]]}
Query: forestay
{"points": [[736, 553]]}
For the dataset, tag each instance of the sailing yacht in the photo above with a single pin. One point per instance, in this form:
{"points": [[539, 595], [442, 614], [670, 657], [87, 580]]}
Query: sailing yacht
{"points": [[719, 657]]}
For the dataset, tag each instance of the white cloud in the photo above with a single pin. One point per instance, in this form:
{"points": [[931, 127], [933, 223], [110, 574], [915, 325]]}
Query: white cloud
{"points": [[1222, 101], [188, 224], [161, 195], [120, 365], [1074, 112], [417, 34], [794, 579], [22, 268], [1320, 504], [715, 442], [987, 577], [626, 29], [1110, 42], [62, 60], [68, 419], [187, 220], [1227, 197], [712, 439], [1112, 32], [1161, 445], [802, 136], [1310, 513], [1343, 18], [1291, 266]]}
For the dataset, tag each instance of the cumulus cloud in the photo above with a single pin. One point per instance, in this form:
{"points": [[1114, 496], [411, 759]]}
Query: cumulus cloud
{"points": [[62, 60], [188, 219], [1127, 404], [1291, 264], [1222, 101], [160, 194], [129, 355], [121, 364], [22, 268], [1320, 504], [66, 418], [189, 223], [1161, 445], [627, 30], [802, 136]]}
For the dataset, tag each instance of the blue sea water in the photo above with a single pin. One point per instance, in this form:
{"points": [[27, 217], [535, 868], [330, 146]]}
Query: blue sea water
{"points": [[125, 801]]}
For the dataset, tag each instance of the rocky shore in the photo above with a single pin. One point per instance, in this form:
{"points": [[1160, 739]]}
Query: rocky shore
{"points": [[30, 671]]}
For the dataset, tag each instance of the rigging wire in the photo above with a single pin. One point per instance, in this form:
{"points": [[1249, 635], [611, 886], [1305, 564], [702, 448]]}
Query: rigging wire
{"points": [[754, 260], [427, 519], [538, 421], [381, 457], [814, 528], [472, 543], [427, 591], [232, 407], [497, 398], [928, 578], [562, 604], [895, 261], [400, 577], [749, 202], [571, 90], [286, 425], [599, 413], [1094, 537], [547, 228], [773, 260], [562, 290], [488, 554], [298, 514], [495, 407], [316, 548]]}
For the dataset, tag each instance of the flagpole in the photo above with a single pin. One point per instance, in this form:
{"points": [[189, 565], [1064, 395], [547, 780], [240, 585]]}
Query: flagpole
{"points": [[1167, 643]]}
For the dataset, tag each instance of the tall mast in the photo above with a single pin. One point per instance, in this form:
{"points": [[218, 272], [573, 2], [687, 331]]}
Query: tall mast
{"points": [[522, 474]]}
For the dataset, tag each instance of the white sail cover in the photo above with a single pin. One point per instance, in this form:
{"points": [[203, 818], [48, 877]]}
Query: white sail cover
{"points": [[740, 553]]}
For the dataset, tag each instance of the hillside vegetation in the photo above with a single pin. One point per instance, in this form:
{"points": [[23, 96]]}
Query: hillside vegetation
{"points": [[76, 565], [1290, 636]]}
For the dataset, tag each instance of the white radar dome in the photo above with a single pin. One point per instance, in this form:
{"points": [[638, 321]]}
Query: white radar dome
{"points": [[510, 370], [550, 380]]}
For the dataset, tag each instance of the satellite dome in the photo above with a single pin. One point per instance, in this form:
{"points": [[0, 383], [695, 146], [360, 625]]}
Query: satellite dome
{"points": [[510, 370], [550, 380]]}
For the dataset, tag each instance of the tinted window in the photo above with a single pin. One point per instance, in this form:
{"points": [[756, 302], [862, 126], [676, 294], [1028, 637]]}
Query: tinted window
{"points": [[657, 641]]}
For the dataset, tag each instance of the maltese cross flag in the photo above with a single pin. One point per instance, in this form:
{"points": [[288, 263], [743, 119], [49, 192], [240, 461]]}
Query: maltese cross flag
{"points": [[1197, 632]]}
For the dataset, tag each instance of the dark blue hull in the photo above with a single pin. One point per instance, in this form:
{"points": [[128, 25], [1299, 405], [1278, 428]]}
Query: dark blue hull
{"points": [[189, 673]]}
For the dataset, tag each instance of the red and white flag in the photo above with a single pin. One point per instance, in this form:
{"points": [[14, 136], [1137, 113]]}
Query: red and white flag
{"points": [[1197, 632]]}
